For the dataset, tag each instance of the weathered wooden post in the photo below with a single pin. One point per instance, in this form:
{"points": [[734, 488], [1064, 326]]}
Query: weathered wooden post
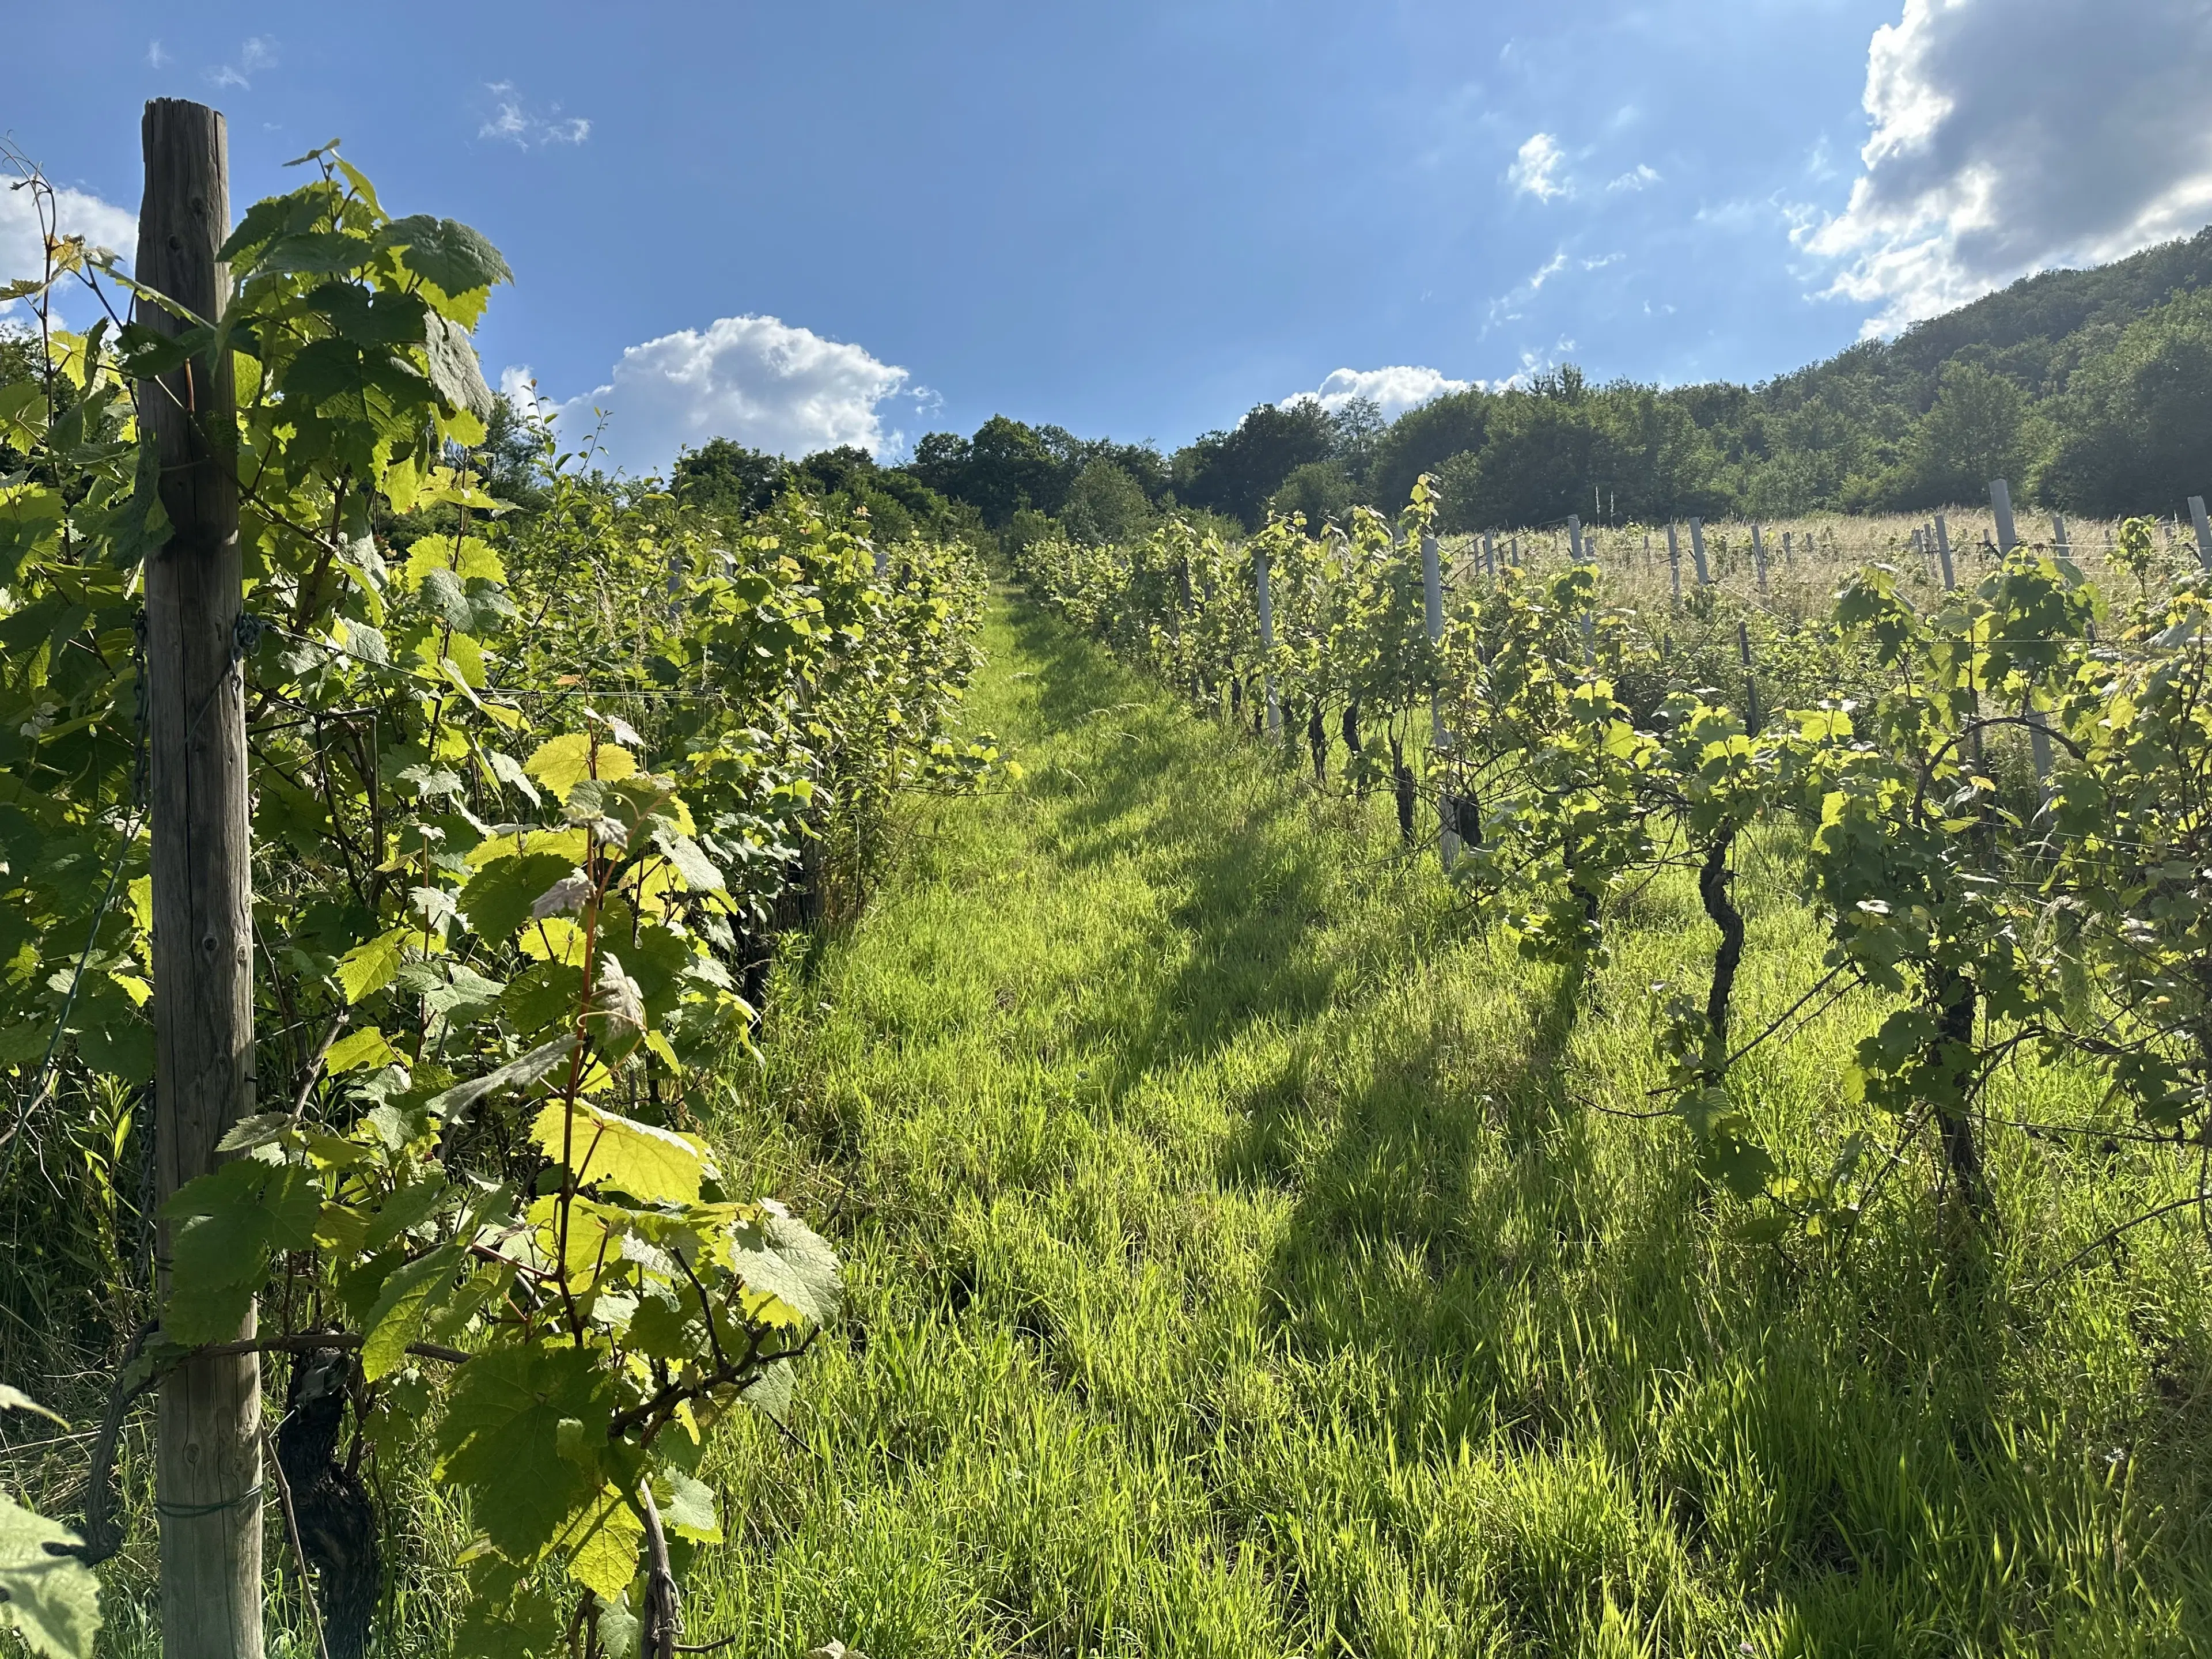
{"points": [[2039, 739], [1675, 564], [1759, 556], [2203, 531], [1943, 553], [207, 1471], [1268, 640], [1697, 552], [1574, 539], [2001, 506], [1432, 607]]}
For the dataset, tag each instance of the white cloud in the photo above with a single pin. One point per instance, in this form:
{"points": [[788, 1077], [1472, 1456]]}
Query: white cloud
{"points": [[22, 246], [1395, 390], [2009, 139], [1535, 169], [755, 379], [1508, 306], [1642, 176], [514, 121], [255, 53], [157, 55]]}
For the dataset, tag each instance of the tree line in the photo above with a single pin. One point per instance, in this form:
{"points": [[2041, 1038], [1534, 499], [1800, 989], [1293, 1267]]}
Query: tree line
{"points": [[2093, 388]]}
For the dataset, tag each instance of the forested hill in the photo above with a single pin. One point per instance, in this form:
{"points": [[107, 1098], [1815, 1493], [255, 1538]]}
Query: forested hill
{"points": [[2089, 391], [2024, 331]]}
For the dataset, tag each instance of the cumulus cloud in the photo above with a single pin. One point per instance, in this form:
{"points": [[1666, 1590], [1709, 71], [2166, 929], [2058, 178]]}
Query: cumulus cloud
{"points": [[2009, 139], [1535, 169], [1394, 390], [755, 379], [22, 248], [1642, 176], [514, 120]]}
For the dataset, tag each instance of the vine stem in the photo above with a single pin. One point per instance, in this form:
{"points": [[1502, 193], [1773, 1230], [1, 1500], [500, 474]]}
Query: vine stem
{"points": [[663, 1601], [292, 1533]]}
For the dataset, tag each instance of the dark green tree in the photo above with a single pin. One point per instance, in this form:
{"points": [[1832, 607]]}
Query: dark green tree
{"points": [[724, 476]]}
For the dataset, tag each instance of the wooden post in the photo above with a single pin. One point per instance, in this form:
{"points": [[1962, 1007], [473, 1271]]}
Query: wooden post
{"points": [[1759, 556], [2203, 531], [1267, 639], [1574, 539], [207, 1471], [1750, 681], [2038, 738], [1433, 608], [1674, 563], [1698, 551], [1943, 552], [1788, 558], [2001, 505], [1489, 556]]}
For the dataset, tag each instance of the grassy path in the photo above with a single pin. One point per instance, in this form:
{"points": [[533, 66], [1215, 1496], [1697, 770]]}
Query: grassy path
{"points": [[1239, 1267]]}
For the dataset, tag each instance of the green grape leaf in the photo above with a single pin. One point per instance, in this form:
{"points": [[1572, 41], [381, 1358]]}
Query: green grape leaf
{"points": [[543, 995], [699, 871], [527, 1628], [227, 1224], [780, 1257], [457, 259], [621, 1632], [500, 1438], [411, 1297], [51, 1601], [652, 1164], [689, 1511], [407, 1210], [454, 370], [498, 898], [458, 1101], [770, 1392]]}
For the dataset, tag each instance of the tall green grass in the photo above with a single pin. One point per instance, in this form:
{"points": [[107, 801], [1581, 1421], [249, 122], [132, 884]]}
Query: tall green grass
{"points": [[1248, 1257], [1249, 1254]]}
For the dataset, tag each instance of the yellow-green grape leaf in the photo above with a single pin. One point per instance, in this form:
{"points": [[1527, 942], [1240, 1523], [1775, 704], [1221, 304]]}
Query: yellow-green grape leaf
{"points": [[652, 1164], [464, 556], [602, 1545], [372, 965], [561, 763], [359, 1051], [51, 1601]]}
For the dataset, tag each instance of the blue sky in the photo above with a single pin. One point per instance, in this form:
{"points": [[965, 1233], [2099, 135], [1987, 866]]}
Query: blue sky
{"points": [[860, 221]]}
